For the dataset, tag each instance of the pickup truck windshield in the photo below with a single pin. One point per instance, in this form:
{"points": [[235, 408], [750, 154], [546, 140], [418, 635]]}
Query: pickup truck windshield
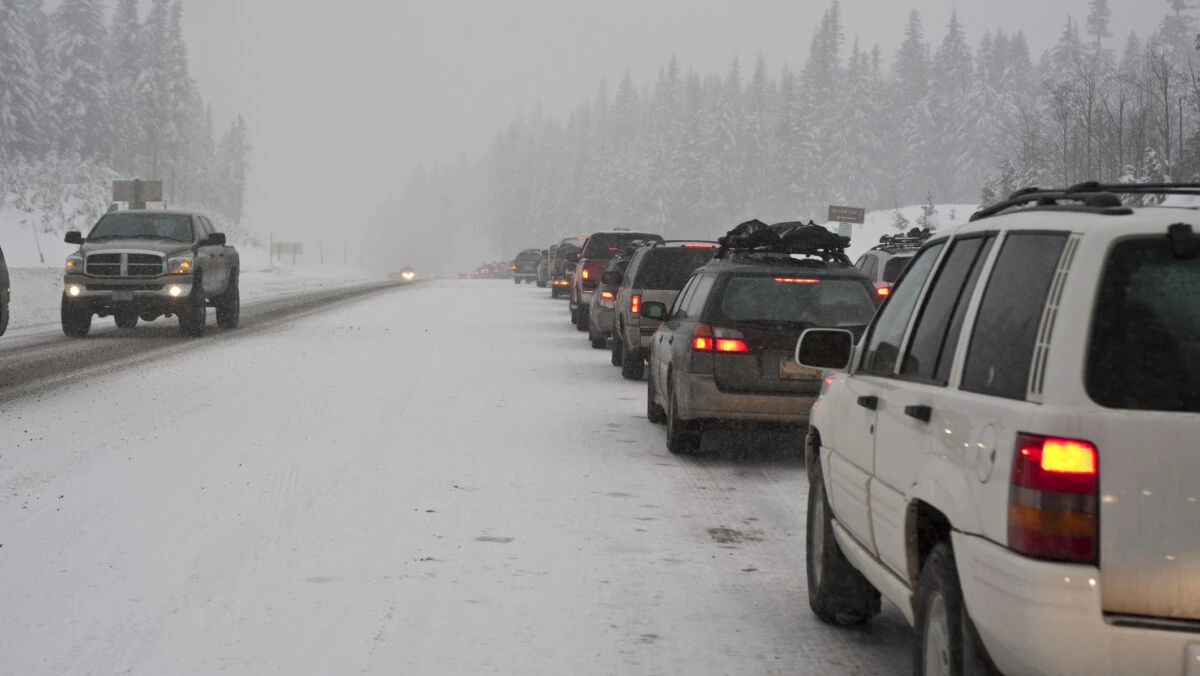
{"points": [[176, 227]]}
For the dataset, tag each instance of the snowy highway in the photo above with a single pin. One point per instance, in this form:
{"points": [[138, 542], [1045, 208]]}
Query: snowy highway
{"points": [[437, 479]]}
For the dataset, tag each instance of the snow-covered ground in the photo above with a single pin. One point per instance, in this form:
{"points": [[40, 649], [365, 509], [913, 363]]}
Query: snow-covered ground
{"points": [[441, 480]]}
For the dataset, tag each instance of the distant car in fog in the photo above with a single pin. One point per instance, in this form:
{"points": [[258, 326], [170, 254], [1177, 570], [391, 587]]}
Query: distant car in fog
{"points": [[560, 268], [525, 265], [543, 268], [5, 294], [406, 274]]}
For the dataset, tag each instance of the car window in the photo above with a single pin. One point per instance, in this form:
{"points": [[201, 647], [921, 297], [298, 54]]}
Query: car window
{"points": [[893, 268], [872, 266], [206, 226], [1005, 332], [682, 298], [935, 337], [844, 303], [668, 269], [1144, 352], [883, 347], [605, 245], [699, 296], [143, 226]]}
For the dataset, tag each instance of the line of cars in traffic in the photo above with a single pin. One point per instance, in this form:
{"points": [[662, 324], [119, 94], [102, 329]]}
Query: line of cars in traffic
{"points": [[1001, 437]]}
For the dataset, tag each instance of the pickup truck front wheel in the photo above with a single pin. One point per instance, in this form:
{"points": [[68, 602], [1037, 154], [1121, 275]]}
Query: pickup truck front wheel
{"points": [[76, 319], [229, 305], [837, 592], [193, 314]]}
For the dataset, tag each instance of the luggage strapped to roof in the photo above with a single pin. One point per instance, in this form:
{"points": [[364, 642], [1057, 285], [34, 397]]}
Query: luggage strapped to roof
{"points": [[782, 241]]}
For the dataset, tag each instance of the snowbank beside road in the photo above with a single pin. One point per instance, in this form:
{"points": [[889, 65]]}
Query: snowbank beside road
{"points": [[36, 291], [880, 223]]}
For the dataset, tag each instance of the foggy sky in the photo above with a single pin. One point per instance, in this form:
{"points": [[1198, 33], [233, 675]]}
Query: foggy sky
{"points": [[344, 98]]}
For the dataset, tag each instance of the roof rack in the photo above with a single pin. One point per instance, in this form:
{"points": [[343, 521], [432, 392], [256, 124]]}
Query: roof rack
{"points": [[913, 239], [1093, 196], [782, 241]]}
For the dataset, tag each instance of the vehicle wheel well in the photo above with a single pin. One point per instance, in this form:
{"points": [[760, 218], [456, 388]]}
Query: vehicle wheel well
{"points": [[812, 450], [925, 526]]}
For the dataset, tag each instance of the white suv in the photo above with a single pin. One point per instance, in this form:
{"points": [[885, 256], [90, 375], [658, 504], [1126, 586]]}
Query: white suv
{"points": [[1011, 454]]}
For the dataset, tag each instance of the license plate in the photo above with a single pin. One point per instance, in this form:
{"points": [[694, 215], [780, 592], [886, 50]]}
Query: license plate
{"points": [[122, 295], [1193, 659], [790, 370]]}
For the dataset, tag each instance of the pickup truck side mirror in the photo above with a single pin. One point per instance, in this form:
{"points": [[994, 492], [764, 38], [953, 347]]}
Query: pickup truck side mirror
{"points": [[612, 277], [826, 349], [216, 239], [654, 311], [572, 257], [74, 237]]}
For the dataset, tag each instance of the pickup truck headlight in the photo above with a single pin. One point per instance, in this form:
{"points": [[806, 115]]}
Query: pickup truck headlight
{"points": [[181, 265], [74, 263]]}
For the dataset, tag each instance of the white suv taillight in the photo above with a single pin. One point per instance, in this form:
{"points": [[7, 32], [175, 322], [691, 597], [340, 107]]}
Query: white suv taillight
{"points": [[1053, 499]]}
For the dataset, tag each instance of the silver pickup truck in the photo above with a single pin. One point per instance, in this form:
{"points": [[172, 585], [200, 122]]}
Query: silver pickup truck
{"points": [[147, 264]]}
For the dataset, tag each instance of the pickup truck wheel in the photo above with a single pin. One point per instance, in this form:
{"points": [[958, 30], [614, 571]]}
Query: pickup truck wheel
{"points": [[654, 412], [837, 592], [76, 320], [598, 341], [947, 643], [682, 437], [193, 314], [229, 305], [633, 367], [125, 319], [618, 348]]}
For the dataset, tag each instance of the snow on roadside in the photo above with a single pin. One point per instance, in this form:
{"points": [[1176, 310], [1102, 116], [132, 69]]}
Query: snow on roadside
{"points": [[880, 223], [36, 291]]}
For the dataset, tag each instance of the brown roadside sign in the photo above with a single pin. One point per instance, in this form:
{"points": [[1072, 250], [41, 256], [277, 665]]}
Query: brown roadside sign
{"points": [[847, 214], [137, 192]]}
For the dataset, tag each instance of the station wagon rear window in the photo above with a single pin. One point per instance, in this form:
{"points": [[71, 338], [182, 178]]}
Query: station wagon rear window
{"points": [[670, 268], [797, 299], [1145, 343]]}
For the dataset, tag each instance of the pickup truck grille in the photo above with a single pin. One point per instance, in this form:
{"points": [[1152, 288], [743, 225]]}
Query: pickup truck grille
{"points": [[121, 264]]}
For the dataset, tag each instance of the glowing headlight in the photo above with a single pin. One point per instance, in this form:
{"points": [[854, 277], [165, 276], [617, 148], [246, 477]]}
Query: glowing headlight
{"points": [[75, 264], [181, 265], [74, 290], [175, 291], [408, 275]]}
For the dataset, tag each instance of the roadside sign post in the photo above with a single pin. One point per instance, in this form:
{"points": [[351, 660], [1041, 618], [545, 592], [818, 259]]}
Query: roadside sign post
{"points": [[137, 192], [285, 248], [846, 218]]}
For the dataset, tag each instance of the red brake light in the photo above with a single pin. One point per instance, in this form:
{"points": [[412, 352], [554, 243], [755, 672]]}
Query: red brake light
{"points": [[635, 304], [732, 346], [586, 274], [702, 338], [796, 280], [884, 291], [1053, 495], [607, 295], [697, 246]]}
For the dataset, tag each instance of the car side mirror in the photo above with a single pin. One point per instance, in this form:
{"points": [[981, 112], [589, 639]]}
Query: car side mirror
{"points": [[827, 349], [654, 311], [74, 237], [572, 257], [611, 277], [216, 239]]}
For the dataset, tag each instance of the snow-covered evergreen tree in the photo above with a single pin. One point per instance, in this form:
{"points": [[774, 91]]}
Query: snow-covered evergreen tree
{"points": [[78, 49], [21, 93]]}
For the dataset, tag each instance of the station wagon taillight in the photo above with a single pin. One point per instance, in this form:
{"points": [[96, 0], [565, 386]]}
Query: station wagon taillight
{"points": [[883, 291], [635, 304], [725, 341], [1053, 510]]}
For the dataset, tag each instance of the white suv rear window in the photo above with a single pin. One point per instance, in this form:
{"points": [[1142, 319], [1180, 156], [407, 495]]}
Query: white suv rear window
{"points": [[1145, 344]]}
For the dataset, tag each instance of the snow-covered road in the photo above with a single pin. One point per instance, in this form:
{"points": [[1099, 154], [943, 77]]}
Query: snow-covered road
{"points": [[443, 479]]}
